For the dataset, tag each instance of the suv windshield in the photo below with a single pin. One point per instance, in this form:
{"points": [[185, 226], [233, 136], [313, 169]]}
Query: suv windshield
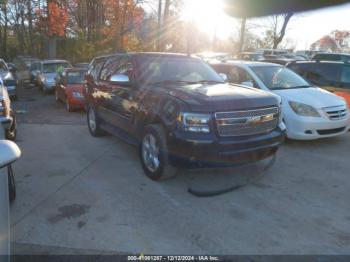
{"points": [[278, 77], [173, 69], [75, 77], [54, 67]]}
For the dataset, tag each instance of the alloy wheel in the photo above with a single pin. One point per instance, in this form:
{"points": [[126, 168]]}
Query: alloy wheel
{"points": [[150, 152]]}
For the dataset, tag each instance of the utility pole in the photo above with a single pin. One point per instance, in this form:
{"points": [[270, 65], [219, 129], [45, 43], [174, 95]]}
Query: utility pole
{"points": [[159, 25], [242, 35]]}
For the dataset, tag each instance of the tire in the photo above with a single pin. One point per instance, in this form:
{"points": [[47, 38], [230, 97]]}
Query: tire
{"points": [[94, 123], [11, 184], [11, 132], [155, 158], [68, 106]]}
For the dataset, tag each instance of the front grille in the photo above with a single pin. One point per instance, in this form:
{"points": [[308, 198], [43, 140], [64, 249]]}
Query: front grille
{"points": [[336, 113], [249, 122], [330, 131]]}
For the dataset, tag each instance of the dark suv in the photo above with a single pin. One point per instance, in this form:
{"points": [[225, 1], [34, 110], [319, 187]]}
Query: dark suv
{"points": [[180, 112]]}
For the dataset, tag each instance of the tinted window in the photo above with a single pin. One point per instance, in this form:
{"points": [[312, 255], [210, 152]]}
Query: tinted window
{"points": [[319, 73]]}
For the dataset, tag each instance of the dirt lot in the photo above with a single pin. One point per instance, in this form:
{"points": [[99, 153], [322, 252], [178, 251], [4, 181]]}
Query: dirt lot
{"points": [[79, 194]]}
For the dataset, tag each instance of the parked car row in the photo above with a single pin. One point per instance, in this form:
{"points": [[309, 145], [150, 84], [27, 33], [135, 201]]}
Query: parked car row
{"points": [[182, 111]]}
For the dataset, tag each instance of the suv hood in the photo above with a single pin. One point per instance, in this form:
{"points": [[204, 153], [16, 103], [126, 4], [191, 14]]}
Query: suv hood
{"points": [[313, 96], [222, 97]]}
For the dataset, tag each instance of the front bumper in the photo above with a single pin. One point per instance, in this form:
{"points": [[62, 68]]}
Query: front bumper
{"points": [[310, 128], [76, 102], [194, 150]]}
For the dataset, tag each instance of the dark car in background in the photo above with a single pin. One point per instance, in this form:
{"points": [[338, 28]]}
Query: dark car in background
{"points": [[180, 112], [332, 76], [8, 79], [331, 57], [249, 56], [70, 88]]}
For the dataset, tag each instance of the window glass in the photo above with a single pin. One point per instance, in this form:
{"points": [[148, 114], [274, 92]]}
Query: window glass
{"points": [[278, 77], [345, 76], [75, 77], [159, 69], [54, 67]]}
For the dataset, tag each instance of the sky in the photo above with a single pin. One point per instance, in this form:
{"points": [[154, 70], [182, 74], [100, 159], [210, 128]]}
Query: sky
{"points": [[304, 28]]}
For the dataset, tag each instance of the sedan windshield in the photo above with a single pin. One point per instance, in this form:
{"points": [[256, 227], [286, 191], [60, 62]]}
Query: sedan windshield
{"points": [[155, 70], [55, 67], [278, 77]]}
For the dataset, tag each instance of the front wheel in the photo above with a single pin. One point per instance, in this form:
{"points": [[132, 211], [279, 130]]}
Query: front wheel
{"points": [[154, 154], [94, 123]]}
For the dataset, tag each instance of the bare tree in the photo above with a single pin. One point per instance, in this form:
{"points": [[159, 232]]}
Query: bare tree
{"points": [[279, 26]]}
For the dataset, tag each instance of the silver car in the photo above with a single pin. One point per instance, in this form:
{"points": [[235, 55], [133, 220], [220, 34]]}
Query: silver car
{"points": [[8, 79], [44, 73]]}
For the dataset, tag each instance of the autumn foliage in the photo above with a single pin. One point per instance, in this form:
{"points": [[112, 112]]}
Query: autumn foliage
{"points": [[53, 20]]}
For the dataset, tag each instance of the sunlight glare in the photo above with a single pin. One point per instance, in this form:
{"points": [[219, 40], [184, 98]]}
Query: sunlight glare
{"points": [[209, 16]]}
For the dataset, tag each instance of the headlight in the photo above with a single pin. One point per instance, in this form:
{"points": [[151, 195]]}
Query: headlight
{"points": [[198, 123], [77, 95], [303, 109]]}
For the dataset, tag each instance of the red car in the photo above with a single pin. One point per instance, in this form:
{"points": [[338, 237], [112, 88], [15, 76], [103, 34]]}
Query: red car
{"points": [[70, 88]]}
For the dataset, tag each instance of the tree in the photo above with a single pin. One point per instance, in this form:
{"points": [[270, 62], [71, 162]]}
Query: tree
{"points": [[277, 30], [336, 41]]}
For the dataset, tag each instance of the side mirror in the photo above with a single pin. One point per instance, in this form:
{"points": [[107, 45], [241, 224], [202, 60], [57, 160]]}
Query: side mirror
{"points": [[248, 83], [120, 79], [223, 76], [9, 153]]}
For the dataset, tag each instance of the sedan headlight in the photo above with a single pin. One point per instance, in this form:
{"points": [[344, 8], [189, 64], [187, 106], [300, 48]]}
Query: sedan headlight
{"points": [[197, 123], [303, 109]]}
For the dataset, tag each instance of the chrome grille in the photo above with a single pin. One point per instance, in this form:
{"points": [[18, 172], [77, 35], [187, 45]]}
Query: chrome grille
{"points": [[336, 113], [250, 122]]}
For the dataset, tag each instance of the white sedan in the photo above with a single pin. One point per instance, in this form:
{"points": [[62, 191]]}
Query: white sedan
{"points": [[308, 112]]}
